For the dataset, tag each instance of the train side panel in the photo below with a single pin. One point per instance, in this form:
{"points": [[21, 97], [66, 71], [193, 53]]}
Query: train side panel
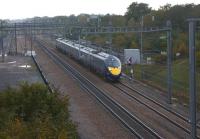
{"points": [[88, 58]]}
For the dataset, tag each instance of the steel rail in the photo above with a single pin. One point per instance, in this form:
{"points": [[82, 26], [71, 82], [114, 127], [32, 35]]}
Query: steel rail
{"points": [[159, 104], [156, 111], [114, 107]]}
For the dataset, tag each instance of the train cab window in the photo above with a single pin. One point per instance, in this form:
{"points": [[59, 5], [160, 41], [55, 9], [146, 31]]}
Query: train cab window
{"points": [[113, 62]]}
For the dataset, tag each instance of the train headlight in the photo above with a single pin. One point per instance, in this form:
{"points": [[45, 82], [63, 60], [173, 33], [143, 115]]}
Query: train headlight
{"points": [[109, 68], [114, 70]]}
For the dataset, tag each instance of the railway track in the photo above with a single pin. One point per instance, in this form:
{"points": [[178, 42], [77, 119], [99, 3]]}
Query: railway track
{"points": [[135, 125], [166, 113], [138, 89], [158, 108], [141, 93]]}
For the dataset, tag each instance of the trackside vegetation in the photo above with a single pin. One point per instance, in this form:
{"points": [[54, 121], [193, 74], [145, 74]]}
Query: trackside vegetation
{"points": [[30, 111]]}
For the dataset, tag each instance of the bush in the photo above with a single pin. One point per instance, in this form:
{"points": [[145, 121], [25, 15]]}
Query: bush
{"points": [[160, 59], [31, 111]]}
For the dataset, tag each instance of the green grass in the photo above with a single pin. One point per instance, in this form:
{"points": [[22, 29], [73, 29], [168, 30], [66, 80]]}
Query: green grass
{"points": [[156, 75]]}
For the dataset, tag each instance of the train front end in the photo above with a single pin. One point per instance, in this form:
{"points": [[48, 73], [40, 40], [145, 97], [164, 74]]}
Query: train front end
{"points": [[113, 68]]}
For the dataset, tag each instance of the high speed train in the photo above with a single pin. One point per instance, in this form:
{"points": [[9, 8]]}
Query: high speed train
{"points": [[105, 64]]}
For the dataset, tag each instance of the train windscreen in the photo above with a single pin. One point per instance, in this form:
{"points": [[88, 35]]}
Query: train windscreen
{"points": [[113, 62]]}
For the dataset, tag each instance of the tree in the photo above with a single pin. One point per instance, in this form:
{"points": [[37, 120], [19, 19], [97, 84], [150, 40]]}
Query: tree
{"points": [[32, 111], [165, 7], [119, 41], [137, 10], [180, 45]]}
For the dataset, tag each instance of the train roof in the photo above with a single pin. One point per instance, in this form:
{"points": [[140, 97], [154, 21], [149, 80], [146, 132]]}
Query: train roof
{"points": [[88, 50]]}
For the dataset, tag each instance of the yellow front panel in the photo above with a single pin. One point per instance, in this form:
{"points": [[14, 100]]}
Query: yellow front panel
{"points": [[114, 71]]}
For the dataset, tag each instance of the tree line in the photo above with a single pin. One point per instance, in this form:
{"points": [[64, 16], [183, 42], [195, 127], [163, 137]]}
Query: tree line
{"points": [[136, 14]]}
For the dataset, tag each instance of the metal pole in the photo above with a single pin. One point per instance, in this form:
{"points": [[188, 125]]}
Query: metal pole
{"points": [[2, 49], [31, 42], [15, 39], [25, 41], [79, 37], [110, 36], [192, 78], [141, 46], [1, 42], [98, 22], [169, 62], [3, 52], [34, 30]]}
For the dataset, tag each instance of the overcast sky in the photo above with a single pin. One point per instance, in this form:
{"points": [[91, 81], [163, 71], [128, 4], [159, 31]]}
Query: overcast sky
{"points": [[19, 9]]}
